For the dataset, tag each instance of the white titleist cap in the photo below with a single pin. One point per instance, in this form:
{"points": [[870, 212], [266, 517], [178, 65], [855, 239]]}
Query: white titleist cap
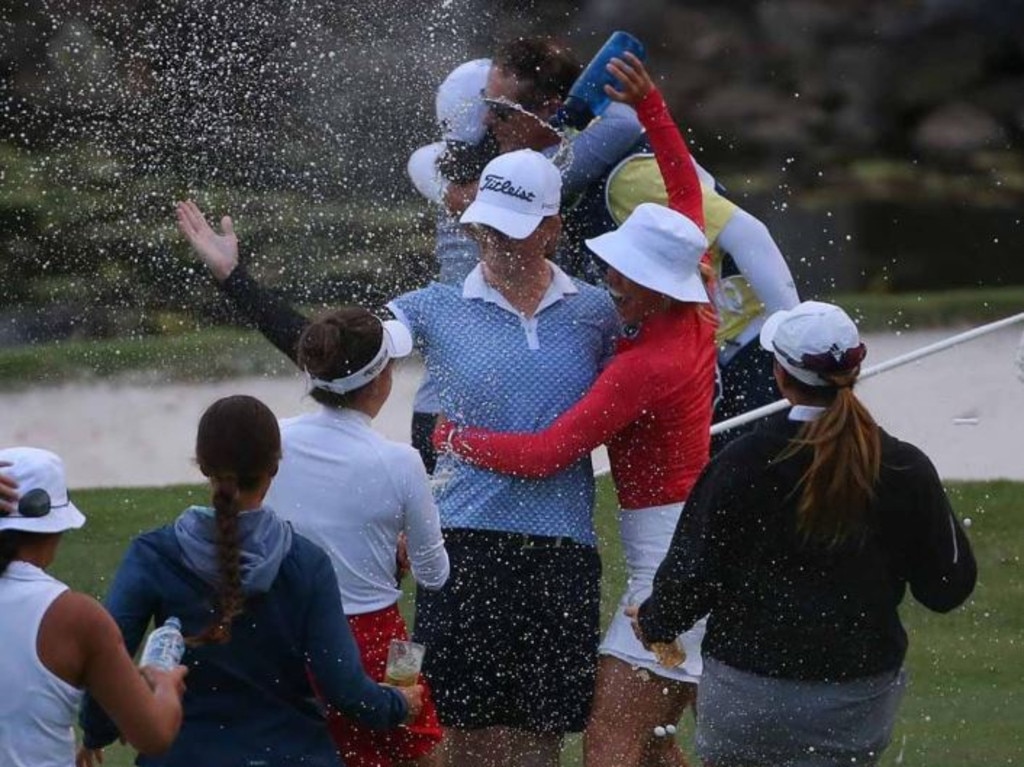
{"points": [[659, 248], [460, 106], [44, 505], [813, 340], [395, 344], [517, 191]]}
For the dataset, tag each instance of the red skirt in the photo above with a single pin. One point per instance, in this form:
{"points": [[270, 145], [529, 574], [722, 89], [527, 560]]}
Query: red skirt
{"points": [[360, 746]]}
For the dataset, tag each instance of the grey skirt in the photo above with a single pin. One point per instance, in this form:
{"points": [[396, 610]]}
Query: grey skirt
{"points": [[748, 720]]}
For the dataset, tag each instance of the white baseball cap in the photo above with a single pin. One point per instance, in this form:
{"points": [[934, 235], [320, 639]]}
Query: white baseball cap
{"points": [[44, 505], [659, 248], [396, 342], [813, 339], [460, 107], [517, 190], [422, 169]]}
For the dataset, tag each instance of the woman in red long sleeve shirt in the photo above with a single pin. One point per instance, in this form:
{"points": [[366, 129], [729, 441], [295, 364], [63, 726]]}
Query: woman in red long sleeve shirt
{"points": [[652, 407]]}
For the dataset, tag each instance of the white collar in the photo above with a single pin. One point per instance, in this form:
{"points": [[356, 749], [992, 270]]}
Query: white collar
{"points": [[26, 571], [805, 412], [476, 286]]}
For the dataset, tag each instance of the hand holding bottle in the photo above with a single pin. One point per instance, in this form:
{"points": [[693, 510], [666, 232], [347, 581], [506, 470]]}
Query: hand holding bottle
{"points": [[634, 81]]}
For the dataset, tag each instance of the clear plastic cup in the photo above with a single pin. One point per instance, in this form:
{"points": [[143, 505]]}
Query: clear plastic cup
{"points": [[405, 659]]}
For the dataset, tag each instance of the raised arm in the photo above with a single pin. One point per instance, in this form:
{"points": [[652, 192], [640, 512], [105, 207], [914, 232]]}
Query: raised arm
{"points": [[275, 319], [618, 397], [670, 150], [599, 147]]}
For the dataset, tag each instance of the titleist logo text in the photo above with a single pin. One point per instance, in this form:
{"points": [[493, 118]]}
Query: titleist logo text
{"points": [[502, 185]]}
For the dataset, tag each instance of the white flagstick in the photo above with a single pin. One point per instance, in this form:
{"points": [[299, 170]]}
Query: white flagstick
{"points": [[924, 351]]}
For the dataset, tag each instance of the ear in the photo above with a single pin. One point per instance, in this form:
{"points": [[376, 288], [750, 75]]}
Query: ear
{"points": [[553, 234]]}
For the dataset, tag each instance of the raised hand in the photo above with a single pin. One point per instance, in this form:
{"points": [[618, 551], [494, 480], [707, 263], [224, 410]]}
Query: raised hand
{"points": [[633, 79], [218, 251]]}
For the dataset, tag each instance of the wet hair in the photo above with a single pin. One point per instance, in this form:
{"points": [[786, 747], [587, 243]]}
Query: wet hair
{"points": [[462, 163], [238, 445], [544, 68], [838, 487], [336, 345], [10, 542]]}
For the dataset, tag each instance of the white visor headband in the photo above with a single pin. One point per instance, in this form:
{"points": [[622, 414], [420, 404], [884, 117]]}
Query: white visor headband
{"points": [[395, 343]]}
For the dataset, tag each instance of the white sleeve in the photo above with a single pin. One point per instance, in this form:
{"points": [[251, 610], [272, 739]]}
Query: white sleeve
{"points": [[751, 246], [427, 554]]}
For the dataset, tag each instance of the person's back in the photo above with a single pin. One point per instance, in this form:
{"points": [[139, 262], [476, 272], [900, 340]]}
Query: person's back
{"points": [[260, 610], [249, 699], [59, 643], [37, 708], [775, 618], [353, 502]]}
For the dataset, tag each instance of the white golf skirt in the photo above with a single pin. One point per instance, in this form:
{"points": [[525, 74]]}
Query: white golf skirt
{"points": [[646, 535]]}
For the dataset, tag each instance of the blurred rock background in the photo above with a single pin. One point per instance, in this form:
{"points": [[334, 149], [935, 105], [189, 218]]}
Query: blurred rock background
{"points": [[879, 139]]}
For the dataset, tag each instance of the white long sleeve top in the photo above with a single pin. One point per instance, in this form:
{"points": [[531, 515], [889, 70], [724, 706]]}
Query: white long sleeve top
{"points": [[351, 491]]}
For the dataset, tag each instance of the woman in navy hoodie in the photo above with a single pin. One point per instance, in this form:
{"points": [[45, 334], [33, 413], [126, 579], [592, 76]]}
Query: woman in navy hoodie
{"points": [[260, 609]]}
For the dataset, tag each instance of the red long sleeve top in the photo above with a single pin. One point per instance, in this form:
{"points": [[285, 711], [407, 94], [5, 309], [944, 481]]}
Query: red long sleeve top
{"points": [[652, 405]]}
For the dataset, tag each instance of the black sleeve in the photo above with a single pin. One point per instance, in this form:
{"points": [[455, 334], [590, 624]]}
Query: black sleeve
{"points": [[275, 319], [689, 578], [942, 568]]}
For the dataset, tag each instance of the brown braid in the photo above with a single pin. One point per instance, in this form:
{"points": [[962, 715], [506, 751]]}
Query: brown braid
{"points": [[230, 599], [238, 446], [839, 485]]}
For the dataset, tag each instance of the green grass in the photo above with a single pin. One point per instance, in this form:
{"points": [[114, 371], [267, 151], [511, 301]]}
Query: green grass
{"points": [[966, 690], [225, 352]]}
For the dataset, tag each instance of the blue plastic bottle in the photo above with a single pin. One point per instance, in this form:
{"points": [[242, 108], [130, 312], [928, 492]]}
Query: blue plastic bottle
{"points": [[587, 99], [165, 646]]}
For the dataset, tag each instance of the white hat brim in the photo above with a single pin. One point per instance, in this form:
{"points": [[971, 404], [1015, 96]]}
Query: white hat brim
{"points": [[57, 521], [511, 223], [620, 253], [398, 339], [769, 328], [423, 172]]}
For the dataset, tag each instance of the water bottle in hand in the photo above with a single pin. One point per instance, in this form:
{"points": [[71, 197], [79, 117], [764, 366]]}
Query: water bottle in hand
{"points": [[165, 646], [587, 99]]}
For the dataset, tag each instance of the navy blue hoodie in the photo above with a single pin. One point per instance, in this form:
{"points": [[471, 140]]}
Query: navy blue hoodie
{"points": [[249, 702]]}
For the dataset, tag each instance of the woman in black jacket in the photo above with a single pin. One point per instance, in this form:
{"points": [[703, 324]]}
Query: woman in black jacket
{"points": [[799, 541]]}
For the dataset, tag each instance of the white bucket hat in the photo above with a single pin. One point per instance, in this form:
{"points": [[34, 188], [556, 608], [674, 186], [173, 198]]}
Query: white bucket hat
{"points": [[396, 342], [811, 339], [460, 107], [44, 505], [517, 191], [659, 248]]}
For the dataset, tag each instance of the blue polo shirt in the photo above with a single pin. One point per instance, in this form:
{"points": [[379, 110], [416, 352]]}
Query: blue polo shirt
{"points": [[498, 369]]}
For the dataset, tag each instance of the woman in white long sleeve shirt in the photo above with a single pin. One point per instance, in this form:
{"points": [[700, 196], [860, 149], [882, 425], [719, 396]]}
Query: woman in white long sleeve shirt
{"points": [[356, 494]]}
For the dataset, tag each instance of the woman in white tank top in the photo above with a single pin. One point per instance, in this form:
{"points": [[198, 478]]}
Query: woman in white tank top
{"points": [[59, 643]]}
